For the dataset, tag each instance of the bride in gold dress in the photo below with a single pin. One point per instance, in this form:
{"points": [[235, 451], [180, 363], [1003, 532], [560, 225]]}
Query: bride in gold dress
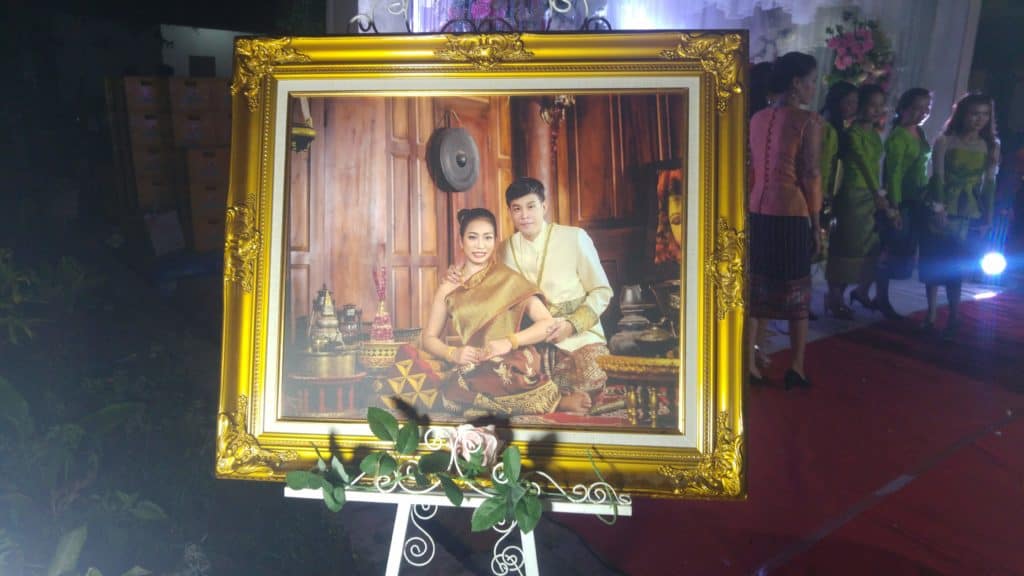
{"points": [[498, 316]]}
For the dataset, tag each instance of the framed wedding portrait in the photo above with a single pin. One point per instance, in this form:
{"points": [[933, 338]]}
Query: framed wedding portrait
{"points": [[544, 232]]}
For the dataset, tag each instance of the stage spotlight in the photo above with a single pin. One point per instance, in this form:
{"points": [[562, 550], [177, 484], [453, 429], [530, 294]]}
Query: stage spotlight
{"points": [[993, 263]]}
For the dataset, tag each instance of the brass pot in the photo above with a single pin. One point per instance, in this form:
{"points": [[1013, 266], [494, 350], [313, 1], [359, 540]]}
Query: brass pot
{"points": [[332, 364], [656, 341]]}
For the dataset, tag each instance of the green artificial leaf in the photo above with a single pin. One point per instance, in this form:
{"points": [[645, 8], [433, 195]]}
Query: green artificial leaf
{"points": [[321, 466], [408, 438], [387, 465], [137, 571], [331, 501], [528, 512], [370, 463], [435, 462], [382, 424], [339, 469], [93, 572], [421, 480], [516, 491], [69, 548], [490, 512], [473, 467], [339, 496], [451, 490], [513, 463], [14, 411], [303, 480], [110, 417], [150, 511]]}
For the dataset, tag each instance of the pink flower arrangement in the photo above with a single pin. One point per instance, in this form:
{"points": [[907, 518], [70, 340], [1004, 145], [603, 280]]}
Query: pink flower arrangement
{"points": [[862, 52]]}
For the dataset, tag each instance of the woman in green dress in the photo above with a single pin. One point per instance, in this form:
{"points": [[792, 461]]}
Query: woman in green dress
{"points": [[905, 176], [854, 243], [959, 202], [839, 112]]}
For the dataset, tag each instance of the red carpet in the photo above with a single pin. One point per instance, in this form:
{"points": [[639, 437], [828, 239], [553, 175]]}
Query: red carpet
{"points": [[935, 424]]}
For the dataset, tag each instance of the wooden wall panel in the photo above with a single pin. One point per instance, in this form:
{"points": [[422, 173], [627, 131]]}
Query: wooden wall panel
{"points": [[355, 178], [298, 301], [298, 229], [592, 161], [429, 280], [305, 258], [640, 145], [402, 311], [401, 243]]}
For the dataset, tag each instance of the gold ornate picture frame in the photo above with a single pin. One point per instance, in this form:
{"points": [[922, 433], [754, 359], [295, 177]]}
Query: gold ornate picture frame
{"points": [[360, 110]]}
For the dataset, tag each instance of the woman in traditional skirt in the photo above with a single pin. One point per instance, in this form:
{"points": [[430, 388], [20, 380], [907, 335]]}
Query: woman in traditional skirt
{"points": [[785, 201], [854, 244], [959, 202], [839, 112], [906, 176]]}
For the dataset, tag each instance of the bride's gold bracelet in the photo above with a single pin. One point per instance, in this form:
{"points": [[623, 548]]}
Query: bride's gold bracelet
{"points": [[514, 341], [451, 353]]}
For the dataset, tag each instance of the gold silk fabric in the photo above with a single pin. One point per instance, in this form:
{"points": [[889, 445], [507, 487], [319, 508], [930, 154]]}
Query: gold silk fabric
{"points": [[490, 305]]}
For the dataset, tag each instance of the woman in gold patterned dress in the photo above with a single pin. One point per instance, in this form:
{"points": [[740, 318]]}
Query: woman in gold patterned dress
{"points": [[498, 369]]}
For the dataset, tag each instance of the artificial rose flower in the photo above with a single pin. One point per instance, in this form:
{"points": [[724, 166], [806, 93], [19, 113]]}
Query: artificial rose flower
{"points": [[843, 62], [469, 439]]}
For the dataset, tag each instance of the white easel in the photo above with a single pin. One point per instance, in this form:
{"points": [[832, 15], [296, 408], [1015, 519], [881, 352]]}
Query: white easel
{"points": [[419, 550]]}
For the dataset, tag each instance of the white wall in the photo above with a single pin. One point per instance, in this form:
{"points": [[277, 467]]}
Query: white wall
{"points": [[187, 42]]}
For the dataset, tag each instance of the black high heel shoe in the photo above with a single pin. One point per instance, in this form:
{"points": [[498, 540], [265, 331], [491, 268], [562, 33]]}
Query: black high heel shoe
{"points": [[794, 380], [862, 300]]}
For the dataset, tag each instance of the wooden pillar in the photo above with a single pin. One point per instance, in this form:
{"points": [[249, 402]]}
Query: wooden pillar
{"points": [[532, 153]]}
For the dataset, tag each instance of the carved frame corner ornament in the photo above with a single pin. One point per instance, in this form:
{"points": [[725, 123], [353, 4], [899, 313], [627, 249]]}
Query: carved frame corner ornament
{"points": [[718, 55], [484, 51], [718, 474], [726, 268], [239, 453], [242, 247], [256, 60]]}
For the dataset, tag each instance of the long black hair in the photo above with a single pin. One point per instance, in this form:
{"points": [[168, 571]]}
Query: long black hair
{"points": [[907, 100], [830, 111], [789, 67], [467, 215], [957, 123], [864, 94]]}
